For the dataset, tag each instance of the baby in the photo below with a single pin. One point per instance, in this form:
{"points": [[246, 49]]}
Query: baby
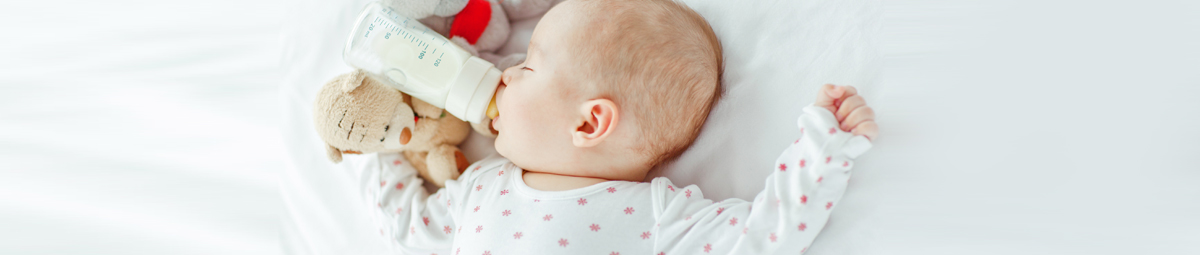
{"points": [[609, 90]]}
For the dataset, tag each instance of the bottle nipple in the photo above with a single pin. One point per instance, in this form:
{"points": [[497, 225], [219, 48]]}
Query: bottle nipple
{"points": [[492, 111]]}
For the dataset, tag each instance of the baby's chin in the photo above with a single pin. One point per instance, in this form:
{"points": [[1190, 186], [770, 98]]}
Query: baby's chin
{"points": [[500, 145]]}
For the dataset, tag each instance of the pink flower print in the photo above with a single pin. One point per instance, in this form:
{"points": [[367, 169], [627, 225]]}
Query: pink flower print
{"points": [[396, 162], [478, 229], [820, 178], [687, 193], [501, 173], [645, 235], [797, 141], [506, 212], [832, 130], [671, 187], [487, 252], [399, 209], [615, 253], [426, 220], [563, 242], [594, 227], [720, 209], [827, 159], [773, 237], [476, 208], [456, 251], [846, 164], [628, 210], [803, 226], [707, 247], [745, 229], [460, 229], [804, 250], [517, 235], [801, 163], [611, 190], [382, 183], [661, 253], [446, 229], [733, 221], [478, 187], [783, 167], [400, 185], [412, 230], [803, 199], [503, 192], [582, 201], [828, 205], [689, 217], [547, 217], [477, 167], [537, 200]]}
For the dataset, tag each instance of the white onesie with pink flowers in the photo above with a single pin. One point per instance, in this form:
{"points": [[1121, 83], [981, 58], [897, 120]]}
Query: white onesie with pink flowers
{"points": [[489, 210]]}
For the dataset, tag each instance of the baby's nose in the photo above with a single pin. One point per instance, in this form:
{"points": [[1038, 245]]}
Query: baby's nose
{"points": [[507, 76]]}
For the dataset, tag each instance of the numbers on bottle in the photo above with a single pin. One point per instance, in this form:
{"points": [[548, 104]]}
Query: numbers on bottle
{"points": [[387, 36], [436, 62], [422, 56]]}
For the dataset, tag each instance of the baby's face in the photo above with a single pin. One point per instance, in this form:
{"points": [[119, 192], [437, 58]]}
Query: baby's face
{"points": [[537, 102]]}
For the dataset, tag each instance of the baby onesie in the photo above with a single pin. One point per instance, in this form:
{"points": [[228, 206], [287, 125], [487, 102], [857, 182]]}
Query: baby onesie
{"points": [[489, 210]]}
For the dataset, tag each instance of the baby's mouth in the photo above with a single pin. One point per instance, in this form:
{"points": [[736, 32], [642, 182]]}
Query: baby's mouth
{"points": [[493, 110]]}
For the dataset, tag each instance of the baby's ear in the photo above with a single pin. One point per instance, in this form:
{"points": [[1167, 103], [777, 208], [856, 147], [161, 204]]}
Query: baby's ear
{"points": [[600, 117], [334, 153], [351, 81]]}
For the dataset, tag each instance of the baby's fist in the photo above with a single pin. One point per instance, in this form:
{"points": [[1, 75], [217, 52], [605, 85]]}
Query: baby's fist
{"points": [[851, 110]]}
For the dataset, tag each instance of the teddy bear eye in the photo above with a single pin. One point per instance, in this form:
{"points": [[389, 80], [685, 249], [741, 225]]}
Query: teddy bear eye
{"points": [[385, 128]]}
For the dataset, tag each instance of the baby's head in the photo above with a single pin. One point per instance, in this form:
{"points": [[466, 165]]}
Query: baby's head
{"points": [[610, 88]]}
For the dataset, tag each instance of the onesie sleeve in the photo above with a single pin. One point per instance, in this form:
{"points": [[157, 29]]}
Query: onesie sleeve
{"points": [[411, 220], [807, 180]]}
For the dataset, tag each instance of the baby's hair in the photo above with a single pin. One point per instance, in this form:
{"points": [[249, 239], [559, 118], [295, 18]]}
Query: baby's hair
{"points": [[660, 62]]}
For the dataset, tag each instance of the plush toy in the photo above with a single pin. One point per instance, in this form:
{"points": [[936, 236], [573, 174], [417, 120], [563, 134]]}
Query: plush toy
{"points": [[356, 114], [479, 26]]}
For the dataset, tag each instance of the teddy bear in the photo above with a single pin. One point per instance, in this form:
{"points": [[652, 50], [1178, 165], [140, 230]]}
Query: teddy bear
{"points": [[356, 114]]}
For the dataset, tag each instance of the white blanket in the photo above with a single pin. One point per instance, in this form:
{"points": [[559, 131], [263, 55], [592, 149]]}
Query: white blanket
{"points": [[1053, 127]]}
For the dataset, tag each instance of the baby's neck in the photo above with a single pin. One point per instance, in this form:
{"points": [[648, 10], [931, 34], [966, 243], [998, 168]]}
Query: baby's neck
{"points": [[556, 182]]}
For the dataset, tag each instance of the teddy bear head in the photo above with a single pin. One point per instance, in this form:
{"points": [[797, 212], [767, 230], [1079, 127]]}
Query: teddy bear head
{"points": [[355, 114]]}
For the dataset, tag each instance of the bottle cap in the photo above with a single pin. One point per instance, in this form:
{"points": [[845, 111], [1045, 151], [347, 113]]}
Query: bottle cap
{"points": [[472, 91]]}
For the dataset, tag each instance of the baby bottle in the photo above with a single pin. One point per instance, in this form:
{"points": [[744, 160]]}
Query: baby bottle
{"points": [[403, 53]]}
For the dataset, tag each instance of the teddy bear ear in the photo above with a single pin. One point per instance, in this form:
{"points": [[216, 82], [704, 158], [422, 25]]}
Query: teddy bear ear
{"points": [[351, 81], [334, 153]]}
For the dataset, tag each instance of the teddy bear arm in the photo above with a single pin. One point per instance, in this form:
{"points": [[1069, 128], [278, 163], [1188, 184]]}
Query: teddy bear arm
{"points": [[417, 159], [445, 162]]}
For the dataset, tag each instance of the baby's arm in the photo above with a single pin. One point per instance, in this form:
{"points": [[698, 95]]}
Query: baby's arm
{"points": [[808, 180], [410, 220]]}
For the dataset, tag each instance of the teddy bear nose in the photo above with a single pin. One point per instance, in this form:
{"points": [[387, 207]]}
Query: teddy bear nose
{"points": [[405, 136]]}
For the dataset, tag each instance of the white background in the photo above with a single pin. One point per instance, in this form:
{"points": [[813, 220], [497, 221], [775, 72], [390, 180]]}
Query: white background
{"points": [[1044, 127]]}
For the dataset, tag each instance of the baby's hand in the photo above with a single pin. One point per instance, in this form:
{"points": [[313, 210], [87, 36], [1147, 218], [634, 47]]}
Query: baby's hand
{"points": [[851, 110]]}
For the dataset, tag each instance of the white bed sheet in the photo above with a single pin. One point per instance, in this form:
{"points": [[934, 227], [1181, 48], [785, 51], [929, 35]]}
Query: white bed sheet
{"points": [[1031, 127], [139, 127]]}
